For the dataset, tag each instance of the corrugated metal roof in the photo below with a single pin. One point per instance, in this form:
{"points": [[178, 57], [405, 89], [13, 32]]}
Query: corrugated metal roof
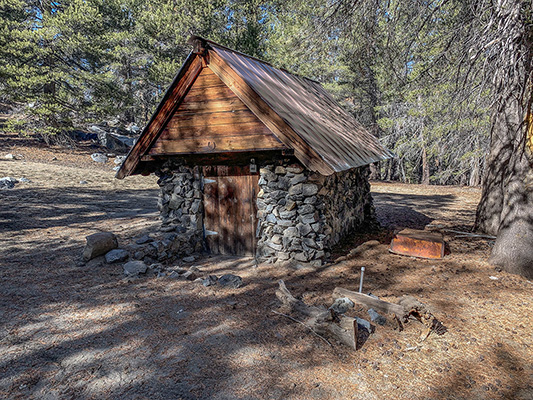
{"points": [[310, 111]]}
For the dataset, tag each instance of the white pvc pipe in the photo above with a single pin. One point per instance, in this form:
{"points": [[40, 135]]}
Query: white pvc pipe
{"points": [[361, 280]]}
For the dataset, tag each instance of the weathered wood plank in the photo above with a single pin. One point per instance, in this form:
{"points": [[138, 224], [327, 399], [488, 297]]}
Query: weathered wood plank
{"points": [[370, 302], [272, 120], [229, 210], [204, 106], [210, 119], [234, 157], [216, 144], [248, 128], [217, 92]]}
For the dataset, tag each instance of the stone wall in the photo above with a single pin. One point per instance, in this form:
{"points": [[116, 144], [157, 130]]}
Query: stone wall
{"points": [[181, 207], [302, 214]]}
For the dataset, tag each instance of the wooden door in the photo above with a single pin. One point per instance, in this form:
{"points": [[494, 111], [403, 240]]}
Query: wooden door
{"points": [[230, 210]]}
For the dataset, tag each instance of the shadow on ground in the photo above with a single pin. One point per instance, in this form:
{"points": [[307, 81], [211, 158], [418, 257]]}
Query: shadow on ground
{"points": [[72, 332]]}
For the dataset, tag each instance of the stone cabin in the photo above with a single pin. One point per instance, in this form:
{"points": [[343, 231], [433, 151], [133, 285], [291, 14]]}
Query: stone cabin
{"points": [[253, 160]]}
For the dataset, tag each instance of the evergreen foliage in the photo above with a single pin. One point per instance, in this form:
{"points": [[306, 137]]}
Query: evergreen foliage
{"points": [[67, 64]]}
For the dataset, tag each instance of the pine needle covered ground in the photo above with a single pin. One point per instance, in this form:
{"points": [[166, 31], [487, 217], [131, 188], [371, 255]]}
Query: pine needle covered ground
{"points": [[71, 330]]}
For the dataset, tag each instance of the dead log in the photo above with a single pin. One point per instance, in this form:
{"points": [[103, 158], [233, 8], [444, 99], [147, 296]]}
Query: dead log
{"points": [[370, 302], [407, 307], [318, 319]]}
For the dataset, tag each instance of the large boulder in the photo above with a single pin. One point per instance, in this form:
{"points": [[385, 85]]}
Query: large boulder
{"points": [[115, 141], [98, 244]]}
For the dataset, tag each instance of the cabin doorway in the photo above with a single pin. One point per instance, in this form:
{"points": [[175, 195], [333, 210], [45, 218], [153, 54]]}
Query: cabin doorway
{"points": [[230, 210]]}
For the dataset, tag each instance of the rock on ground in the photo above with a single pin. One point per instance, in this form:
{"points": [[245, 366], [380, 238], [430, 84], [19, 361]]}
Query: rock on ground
{"points": [[135, 268], [116, 255], [7, 182], [99, 157], [230, 280], [98, 244]]}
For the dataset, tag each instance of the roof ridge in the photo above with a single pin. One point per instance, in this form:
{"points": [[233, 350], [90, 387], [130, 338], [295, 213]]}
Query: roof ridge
{"points": [[196, 37]]}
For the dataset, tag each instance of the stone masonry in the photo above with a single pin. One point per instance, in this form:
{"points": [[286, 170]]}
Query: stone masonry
{"points": [[181, 208], [303, 214]]}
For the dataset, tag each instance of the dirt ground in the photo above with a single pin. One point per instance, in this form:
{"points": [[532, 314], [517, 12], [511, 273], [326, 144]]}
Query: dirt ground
{"points": [[70, 330]]}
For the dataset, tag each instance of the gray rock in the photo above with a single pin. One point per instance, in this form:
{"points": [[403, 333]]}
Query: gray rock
{"points": [[119, 160], [271, 218], [144, 239], [210, 280], [310, 242], [189, 275], [196, 206], [301, 257], [267, 174], [280, 170], [306, 209], [156, 267], [309, 189], [342, 305], [116, 255], [24, 180], [363, 323], [308, 218], [282, 256], [8, 182], [295, 169], [175, 201], [98, 244], [115, 141], [377, 318], [139, 255], [9, 156], [304, 229], [230, 280], [311, 200], [135, 268], [275, 246], [189, 259], [298, 179], [287, 214], [83, 182], [290, 232], [296, 189], [276, 239], [285, 222], [319, 254], [99, 158]]}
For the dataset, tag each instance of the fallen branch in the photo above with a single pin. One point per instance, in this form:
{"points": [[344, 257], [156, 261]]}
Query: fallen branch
{"points": [[469, 234], [318, 319], [304, 324]]}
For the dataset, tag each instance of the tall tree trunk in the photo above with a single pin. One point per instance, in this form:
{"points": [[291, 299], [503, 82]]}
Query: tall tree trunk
{"points": [[425, 166], [506, 206]]}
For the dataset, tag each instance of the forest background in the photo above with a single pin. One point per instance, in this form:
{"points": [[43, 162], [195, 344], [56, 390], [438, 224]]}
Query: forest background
{"points": [[400, 68]]}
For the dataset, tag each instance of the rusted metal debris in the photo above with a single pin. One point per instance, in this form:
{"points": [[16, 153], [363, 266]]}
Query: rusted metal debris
{"points": [[417, 243]]}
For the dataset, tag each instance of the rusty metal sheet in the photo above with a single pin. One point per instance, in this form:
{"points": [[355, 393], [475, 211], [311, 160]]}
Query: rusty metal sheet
{"points": [[310, 111], [417, 243]]}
